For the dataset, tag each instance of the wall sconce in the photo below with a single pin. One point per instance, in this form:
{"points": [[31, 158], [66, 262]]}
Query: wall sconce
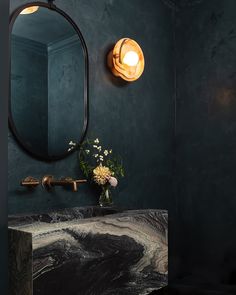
{"points": [[126, 60], [29, 10]]}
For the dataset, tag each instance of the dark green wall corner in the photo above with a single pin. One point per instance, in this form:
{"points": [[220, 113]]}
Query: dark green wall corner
{"points": [[205, 141]]}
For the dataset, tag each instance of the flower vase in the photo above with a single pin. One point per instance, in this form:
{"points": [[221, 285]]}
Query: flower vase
{"points": [[105, 199]]}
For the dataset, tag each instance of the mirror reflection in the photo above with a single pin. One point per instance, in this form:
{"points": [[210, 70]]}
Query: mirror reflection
{"points": [[47, 83]]}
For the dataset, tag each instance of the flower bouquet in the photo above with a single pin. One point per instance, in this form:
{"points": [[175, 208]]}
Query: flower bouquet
{"points": [[100, 166]]}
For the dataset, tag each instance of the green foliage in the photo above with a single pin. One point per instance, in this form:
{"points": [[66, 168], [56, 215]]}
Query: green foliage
{"points": [[116, 166], [91, 154]]}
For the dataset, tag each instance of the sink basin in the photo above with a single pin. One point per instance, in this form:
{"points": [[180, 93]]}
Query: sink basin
{"points": [[88, 251]]}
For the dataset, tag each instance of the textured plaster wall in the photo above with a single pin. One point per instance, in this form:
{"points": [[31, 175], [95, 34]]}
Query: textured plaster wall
{"points": [[135, 119], [29, 87], [65, 92], [205, 140]]}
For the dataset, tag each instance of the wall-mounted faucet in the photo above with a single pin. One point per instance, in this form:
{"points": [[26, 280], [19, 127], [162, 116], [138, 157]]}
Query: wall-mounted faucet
{"points": [[49, 181]]}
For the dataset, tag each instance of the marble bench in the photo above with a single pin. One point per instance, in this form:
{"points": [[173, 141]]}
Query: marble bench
{"points": [[88, 251]]}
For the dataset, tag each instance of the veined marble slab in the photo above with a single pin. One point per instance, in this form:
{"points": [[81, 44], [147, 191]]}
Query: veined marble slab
{"points": [[116, 254]]}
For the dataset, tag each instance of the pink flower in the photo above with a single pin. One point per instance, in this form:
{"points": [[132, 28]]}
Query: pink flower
{"points": [[113, 181]]}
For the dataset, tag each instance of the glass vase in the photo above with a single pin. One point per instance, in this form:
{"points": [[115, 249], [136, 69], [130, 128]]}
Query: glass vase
{"points": [[105, 199]]}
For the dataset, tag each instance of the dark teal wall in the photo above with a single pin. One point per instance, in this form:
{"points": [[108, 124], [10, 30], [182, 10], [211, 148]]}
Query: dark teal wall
{"points": [[44, 81], [29, 90], [135, 119], [66, 76], [206, 139]]}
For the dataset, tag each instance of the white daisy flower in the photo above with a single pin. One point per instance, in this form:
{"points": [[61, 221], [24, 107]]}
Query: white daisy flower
{"points": [[96, 140], [106, 152], [72, 143]]}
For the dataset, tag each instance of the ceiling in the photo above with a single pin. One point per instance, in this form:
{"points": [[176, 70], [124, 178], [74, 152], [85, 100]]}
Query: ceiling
{"points": [[44, 26]]}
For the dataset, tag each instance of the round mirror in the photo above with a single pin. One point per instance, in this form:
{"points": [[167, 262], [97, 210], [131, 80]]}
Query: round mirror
{"points": [[49, 81]]}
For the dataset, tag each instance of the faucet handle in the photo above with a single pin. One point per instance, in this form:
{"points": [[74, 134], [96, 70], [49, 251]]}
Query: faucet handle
{"points": [[47, 182], [30, 182]]}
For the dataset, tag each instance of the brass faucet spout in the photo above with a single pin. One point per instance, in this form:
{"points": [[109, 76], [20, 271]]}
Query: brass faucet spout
{"points": [[75, 186]]}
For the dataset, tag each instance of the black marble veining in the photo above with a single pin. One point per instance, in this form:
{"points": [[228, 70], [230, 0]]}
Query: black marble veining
{"points": [[61, 215], [122, 253]]}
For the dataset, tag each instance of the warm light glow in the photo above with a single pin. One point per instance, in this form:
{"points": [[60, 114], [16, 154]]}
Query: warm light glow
{"points": [[131, 59], [29, 10], [126, 60]]}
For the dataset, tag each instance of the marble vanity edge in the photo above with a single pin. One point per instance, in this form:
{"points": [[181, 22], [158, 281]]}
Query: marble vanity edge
{"points": [[62, 215], [20, 262], [38, 227]]}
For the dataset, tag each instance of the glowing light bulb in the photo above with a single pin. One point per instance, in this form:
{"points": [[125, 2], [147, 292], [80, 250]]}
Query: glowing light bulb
{"points": [[29, 10], [131, 58], [126, 60]]}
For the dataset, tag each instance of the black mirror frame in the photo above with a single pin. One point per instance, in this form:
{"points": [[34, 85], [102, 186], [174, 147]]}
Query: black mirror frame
{"points": [[52, 6]]}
